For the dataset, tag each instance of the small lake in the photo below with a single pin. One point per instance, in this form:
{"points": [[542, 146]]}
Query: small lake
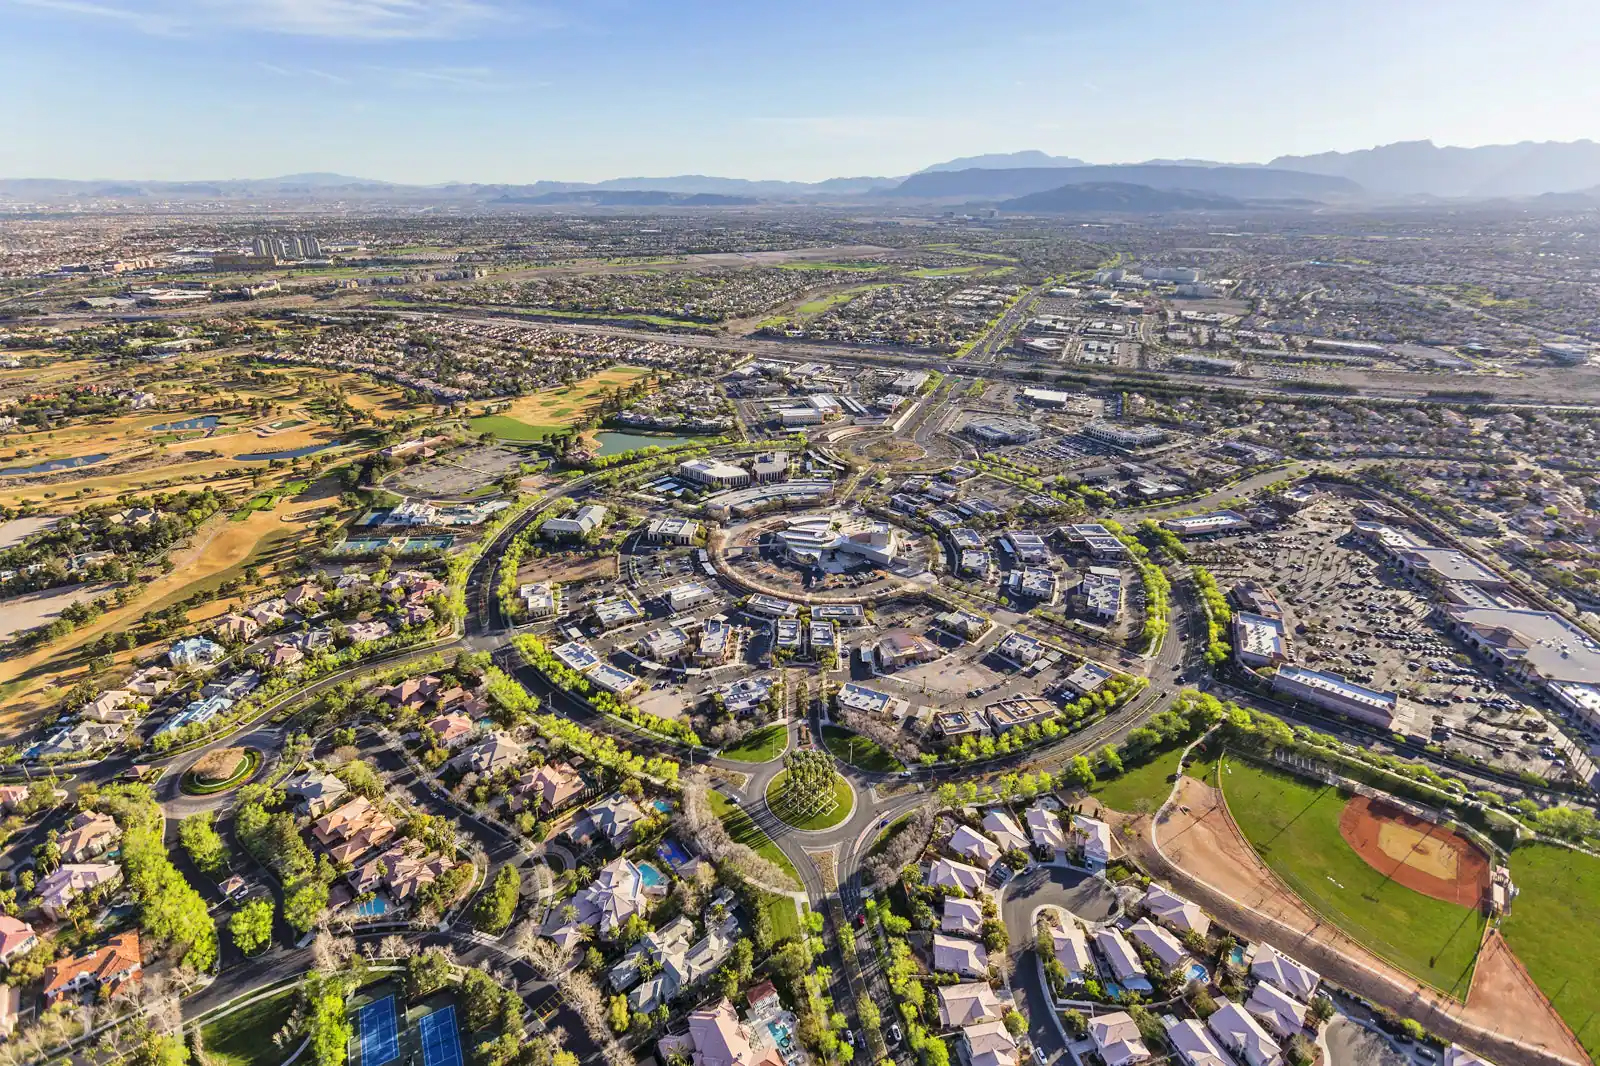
{"points": [[612, 443], [51, 465], [199, 422], [293, 453]]}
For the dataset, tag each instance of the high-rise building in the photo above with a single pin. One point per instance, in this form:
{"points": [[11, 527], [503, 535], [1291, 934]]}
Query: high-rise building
{"points": [[312, 246], [264, 246], [292, 248]]}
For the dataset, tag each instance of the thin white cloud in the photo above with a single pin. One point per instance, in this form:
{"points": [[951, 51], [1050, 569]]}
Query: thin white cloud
{"points": [[371, 20]]}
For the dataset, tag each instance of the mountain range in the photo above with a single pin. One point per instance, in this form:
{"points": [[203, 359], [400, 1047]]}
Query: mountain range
{"points": [[1561, 173], [1115, 197]]}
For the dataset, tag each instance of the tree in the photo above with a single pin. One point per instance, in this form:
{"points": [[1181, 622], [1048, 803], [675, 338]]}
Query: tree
{"points": [[200, 839], [305, 904], [1016, 1024], [480, 999], [1321, 1011], [1112, 761], [620, 1018], [427, 973], [1080, 774], [251, 926], [791, 961], [498, 905], [328, 1025]]}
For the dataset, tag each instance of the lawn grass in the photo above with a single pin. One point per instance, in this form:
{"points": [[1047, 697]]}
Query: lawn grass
{"points": [[244, 1038], [763, 745], [862, 268], [744, 831], [827, 301], [784, 915], [826, 819], [510, 428], [860, 751], [1554, 929], [1140, 789], [1293, 823]]}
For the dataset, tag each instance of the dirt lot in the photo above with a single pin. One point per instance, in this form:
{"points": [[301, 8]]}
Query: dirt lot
{"points": [[1504, 1017], [457, 474], [569, 569], [37, 608]]}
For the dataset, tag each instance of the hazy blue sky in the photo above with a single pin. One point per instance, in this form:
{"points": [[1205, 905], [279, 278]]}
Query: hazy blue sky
{"points": [[512, 90]]}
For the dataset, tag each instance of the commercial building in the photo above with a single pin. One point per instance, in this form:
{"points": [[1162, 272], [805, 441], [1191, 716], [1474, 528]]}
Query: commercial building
{"points": [[1100, 541], [814, 541], [854, 697], [1260, 641], [1088, 678], [770, 606], [1001, 429], [1017, 712], [1036, 583], [538, 601], [617, 611], [673, 531], [1334, 693], [714, 472], [687, 596], [1124, 438], [587, 520], [1020, 648], [772, 466], [1099, 593], [901, 647], [1202, 525], [1532, 646], [742, 503], [909, 382], [976, 563], [1029, 548], [1252, 597], [968, 625], [1047, 397]]}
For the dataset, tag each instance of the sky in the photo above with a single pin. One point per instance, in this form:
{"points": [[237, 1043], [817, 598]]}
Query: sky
{"points": [[430, 91]]}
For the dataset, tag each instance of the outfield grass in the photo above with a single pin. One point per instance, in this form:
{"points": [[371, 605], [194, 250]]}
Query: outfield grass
{"points": [[763, 745], [860, 751], [244, 1038], [744, 831], [844, 802], [1293, 823], [1150, 783], [1554, 928]]}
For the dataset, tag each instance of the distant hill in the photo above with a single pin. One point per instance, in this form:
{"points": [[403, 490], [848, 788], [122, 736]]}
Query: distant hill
{"points": [[1421, 168], [1115, 196], [1005, 161], [630, 198], [1241, 182]]}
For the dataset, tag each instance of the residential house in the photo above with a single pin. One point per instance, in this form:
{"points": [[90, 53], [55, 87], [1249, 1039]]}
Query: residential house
{"points": [[195, 653], [69, 881], [267, 612], [366, 632], [89, 836], [953, 954], [352, 830], [947, 873], [1116, 1037], [451, 729], [1071, 948], [1126, 969], [16, 938], [715, 1038], [1044, 826], [1267, 963], [617, 894], [496, 753], [1238, 1032], [613, 819], [305, 597], [681, 964], [284, 655], [1005, 830], [10, 1006], [1160, 943], [403, 870], [151, 681], [547, 789], [237, 628], [108, 968], [1195, 1044], [971, 844], [113, 706], [990, 1044], [968, 1003], [316, 792], [413, 692], [962, 916], [1093, 839], [1281, 1013], [1173, 911]]}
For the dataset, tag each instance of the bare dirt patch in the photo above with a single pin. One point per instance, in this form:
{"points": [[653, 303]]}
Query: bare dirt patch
{"points": [[1416, 853], [569, 569], [40, 608], [1204, 855]]}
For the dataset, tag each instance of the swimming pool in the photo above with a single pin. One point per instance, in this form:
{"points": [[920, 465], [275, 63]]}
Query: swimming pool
{"points": [[650, 877], [663, 806], [373, 908], [1236, 956], [1197, 972]]}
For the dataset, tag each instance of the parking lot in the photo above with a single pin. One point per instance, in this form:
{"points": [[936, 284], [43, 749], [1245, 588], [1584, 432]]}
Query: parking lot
{"points": [[1352, 612]]}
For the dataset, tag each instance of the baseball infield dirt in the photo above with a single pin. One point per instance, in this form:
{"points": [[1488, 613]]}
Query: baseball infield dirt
{"points": [[1204, 856], [1416, 853]]}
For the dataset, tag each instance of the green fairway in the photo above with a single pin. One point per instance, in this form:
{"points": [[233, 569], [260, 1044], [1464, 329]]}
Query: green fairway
{"points": [[1140, 789], [744, 831], [244, 1038], [863, 268], [1554, 929], [844, 802], [763, 745], [1294, 824], [511, 429], [860, 751]]}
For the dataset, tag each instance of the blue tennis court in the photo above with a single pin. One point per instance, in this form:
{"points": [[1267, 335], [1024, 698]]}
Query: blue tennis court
{"points": [[441, 1046], [380, 1036]]}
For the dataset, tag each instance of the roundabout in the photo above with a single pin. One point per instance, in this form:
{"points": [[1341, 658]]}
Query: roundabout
{"points": [[810, 810], [220, 771]]}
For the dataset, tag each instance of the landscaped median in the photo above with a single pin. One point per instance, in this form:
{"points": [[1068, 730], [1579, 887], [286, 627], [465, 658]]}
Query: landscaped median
{"points": [[809, 794], [219, 771]]}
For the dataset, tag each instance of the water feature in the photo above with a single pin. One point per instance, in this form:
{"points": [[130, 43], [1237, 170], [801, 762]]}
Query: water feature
{"points": [[292, 453], [373, 908], [52, 465], [198, 422], [613, 443], [650, 877]]}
